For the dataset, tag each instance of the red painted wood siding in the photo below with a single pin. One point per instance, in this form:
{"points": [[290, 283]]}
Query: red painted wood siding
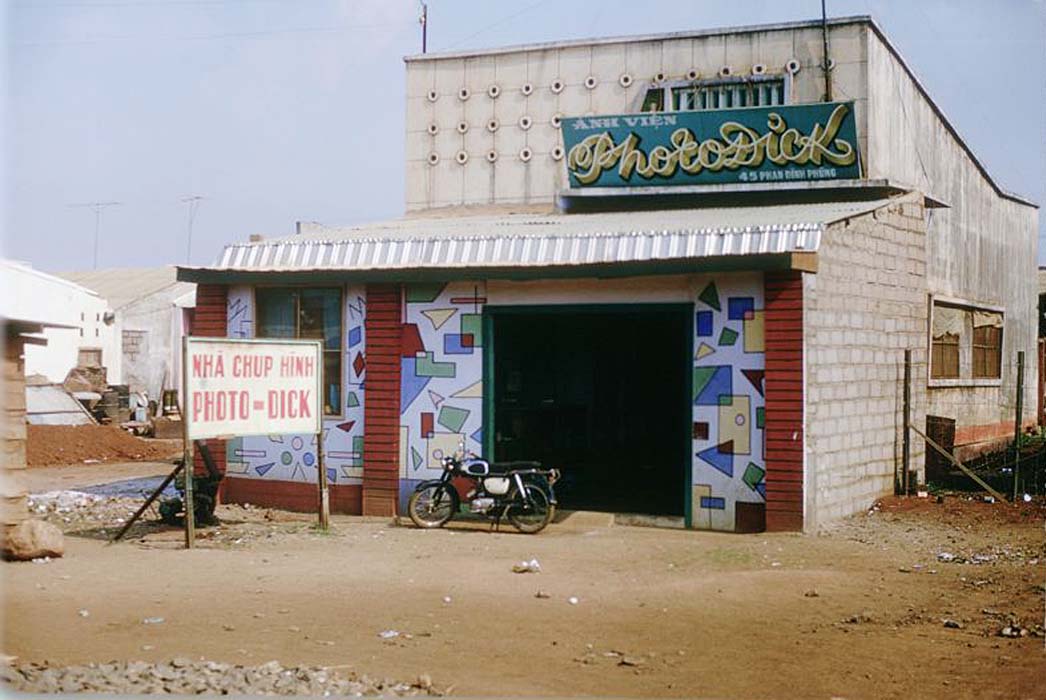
{"points": [[210, 320], [290, 495], [784, 400], [381, 408]]}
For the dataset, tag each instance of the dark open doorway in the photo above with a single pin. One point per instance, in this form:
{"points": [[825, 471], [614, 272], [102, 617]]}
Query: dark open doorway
{"points": [[601, 393]]}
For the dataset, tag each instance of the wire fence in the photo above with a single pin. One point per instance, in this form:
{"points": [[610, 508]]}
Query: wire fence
{"points": [[1015, 468]]}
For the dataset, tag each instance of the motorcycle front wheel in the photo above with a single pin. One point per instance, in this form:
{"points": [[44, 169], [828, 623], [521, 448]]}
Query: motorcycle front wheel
{"points": [[533, 519], [431, 506]]}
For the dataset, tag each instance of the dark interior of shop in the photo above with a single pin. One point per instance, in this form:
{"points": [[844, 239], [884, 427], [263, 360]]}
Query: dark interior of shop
{"points": [[602, 396]]}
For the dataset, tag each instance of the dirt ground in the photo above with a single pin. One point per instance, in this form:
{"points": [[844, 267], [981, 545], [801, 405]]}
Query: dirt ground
{"points": [[858, 611], [51, 445]]}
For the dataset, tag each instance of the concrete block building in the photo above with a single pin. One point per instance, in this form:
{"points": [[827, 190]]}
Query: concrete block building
{"points": [[684, 269], [153, 310], [85, 332]]}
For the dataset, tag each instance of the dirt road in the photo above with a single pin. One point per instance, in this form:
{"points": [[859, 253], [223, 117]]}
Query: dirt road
{"points": [[857, 612]]}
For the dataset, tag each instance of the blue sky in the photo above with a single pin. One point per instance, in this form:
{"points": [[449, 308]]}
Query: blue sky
{"points": [[271, 108]]}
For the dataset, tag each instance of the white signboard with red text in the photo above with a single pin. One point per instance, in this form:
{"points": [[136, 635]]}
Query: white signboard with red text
{"points": [[252, 387]]}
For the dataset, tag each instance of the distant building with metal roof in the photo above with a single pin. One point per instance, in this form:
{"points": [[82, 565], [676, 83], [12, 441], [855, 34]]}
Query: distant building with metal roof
{"points": [[153, 309], [123, 286]]}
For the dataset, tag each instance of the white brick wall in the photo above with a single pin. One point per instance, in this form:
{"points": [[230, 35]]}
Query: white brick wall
{"points": [[865, 305]]}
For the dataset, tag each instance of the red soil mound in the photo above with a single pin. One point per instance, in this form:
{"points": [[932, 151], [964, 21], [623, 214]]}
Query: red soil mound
{"points": [[51, 445]]}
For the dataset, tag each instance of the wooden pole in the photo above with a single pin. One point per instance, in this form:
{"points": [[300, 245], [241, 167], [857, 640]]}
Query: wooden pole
{"points": [[148, 502], [960, 465], [1017, 423], [321, 473], [187, 451], [906, 447], [1040, 414]]}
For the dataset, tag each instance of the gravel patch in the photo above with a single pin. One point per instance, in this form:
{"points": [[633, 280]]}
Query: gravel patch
{"points": [[187, 677]]}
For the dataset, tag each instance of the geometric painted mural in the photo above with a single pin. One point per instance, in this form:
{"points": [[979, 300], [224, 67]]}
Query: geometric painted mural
{"points": [[729, 465], [293, 457], [441, 376]]}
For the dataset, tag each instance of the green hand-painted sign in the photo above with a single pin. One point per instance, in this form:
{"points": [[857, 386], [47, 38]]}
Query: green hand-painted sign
{"points": [[758, 144]]}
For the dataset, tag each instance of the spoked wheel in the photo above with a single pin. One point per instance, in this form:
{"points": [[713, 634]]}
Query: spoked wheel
{"points": [[535, 517], [432, 506]]}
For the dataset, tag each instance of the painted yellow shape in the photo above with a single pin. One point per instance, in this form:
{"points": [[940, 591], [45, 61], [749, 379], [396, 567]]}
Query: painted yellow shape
{"points": [[472, 391], [404, 450], [735, 424], [700, 518], [439, 445], [236, 468], [439, 316], [704, 351], [754, 332]]}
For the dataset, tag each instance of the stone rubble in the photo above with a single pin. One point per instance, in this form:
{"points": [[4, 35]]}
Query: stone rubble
{"points": [[186, 677], [76, 512]]}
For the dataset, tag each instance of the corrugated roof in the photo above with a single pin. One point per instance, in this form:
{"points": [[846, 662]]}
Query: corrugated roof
{"points": [[50, 404], [121, 286], [530, 240]]}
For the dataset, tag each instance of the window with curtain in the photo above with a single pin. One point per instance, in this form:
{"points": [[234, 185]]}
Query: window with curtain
{"points": [[966, 342], [310, 314], [948, 323], [987, 345]]}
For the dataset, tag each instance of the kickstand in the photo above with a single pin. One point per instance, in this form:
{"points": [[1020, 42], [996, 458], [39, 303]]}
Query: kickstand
{"points": [[496, 525]]}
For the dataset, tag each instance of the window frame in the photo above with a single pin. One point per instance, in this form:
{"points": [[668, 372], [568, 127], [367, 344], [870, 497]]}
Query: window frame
{"points": [[986, 352], [966, 378], [340, 414]]}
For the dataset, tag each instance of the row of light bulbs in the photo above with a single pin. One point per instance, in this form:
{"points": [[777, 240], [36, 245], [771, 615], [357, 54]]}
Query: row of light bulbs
{"points": [[557, 86], [524, 122], [525, 154]]}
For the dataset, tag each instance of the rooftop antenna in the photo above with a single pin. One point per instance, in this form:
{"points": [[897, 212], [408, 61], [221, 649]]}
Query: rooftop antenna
{"points": [[98, 207], [423, 20], [193, 200], [827, 61]]}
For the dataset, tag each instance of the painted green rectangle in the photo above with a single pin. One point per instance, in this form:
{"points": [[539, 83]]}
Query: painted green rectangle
{"points": [[426, 366], [782, 143], [473, 323], [452, 418], [422, 292]]}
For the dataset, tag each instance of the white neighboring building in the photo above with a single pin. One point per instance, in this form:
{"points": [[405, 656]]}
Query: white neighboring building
{"points": [[93, 336], [152, 309]]}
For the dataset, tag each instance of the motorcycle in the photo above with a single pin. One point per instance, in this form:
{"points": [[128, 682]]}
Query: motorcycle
{"points": [[521, 492]]}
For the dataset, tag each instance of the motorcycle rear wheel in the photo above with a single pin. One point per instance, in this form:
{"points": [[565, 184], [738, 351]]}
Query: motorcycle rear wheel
{"points": [[432, 506], [533, 520]]}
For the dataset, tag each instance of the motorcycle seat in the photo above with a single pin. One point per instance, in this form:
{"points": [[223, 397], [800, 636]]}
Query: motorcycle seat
{"points": [[505, 467]]}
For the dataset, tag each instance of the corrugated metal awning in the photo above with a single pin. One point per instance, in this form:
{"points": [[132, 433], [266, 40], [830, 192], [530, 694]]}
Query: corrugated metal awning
{"points": [[543, 241]]}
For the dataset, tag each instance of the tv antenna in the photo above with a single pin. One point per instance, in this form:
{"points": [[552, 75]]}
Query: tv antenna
{"points": [[98, 207], [193, 200], [423, 20]]}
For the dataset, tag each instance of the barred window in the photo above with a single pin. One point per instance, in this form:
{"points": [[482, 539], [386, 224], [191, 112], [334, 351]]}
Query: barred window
{"points": [[723, 93]]}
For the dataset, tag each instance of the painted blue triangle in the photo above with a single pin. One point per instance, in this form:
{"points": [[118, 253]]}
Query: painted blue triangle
{"points": [[724, 462], [761, 488], [720, 383], [411, 385], [478, 435], [262, 468], [332, 474]]}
